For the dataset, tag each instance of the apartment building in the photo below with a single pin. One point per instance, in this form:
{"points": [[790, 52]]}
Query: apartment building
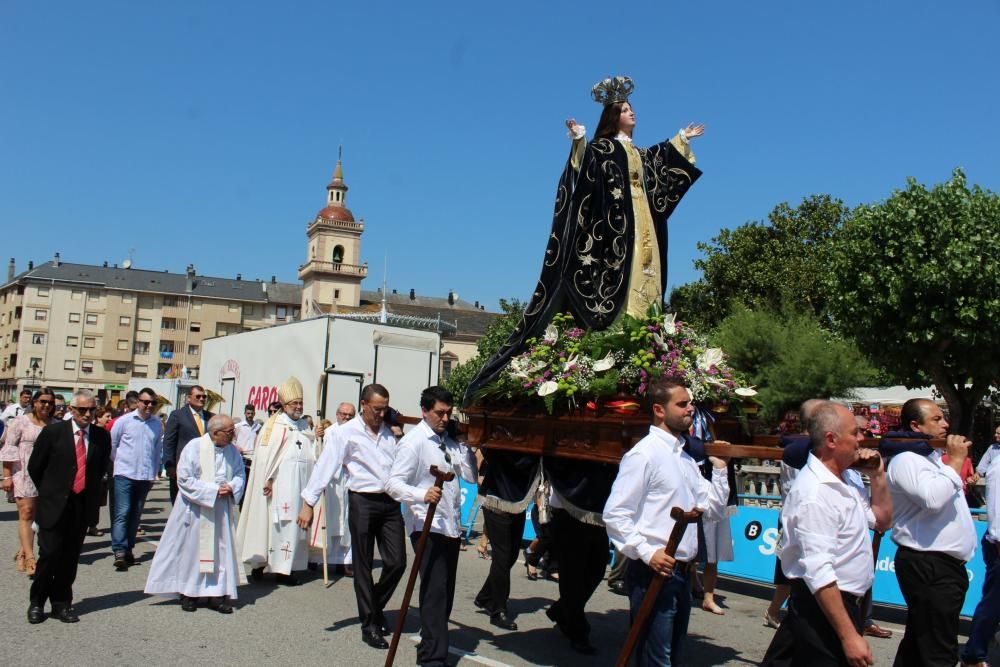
{"points": [[72, 326]]}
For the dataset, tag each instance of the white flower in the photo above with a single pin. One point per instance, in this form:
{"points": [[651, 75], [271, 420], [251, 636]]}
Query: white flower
{"points": [[524, 367], [547, 388], [604, 364], [710, 357], [669, 326], [551, 334], [569, 362], [746, 391]]}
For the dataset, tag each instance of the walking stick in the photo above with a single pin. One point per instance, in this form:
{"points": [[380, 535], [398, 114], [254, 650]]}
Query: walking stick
{"points": [[439, 479], [326, 541], [681, 521]]}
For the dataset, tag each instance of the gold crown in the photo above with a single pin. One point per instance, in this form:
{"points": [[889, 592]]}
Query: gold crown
{"points": [[613, 89]]}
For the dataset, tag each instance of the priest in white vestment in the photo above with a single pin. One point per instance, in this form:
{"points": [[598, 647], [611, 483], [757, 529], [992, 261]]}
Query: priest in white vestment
{"points": [[268, 537], [329, 521], [197, 557]]}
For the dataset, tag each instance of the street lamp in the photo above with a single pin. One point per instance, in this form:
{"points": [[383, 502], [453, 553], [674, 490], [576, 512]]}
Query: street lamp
{"points": [[34, 374]]}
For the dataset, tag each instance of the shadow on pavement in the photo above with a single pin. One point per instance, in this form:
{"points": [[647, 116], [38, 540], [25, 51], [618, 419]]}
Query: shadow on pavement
{"points": [[101, 602]]}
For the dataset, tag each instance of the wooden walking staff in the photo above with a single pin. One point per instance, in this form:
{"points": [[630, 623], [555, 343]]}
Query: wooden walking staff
{"points": [[439, 479], [681, 521]]}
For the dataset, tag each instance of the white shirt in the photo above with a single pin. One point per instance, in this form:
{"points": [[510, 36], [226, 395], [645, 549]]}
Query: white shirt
{"points": [[367, 458], [411, 477], [655, 476], [928, 506], [991, 454], [11, 411], [993, 501], [824, 536], [246, 436], [329, 466]]}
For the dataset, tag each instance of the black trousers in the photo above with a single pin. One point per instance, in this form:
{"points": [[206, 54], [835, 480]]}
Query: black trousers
{"points": [[371, 518], [582, 551], [806, 638], [438, 568], [505, 531], [59, 555], [934, 586]]}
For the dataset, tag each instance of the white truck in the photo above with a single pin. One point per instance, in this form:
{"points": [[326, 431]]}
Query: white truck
{"points": [[332, 357]]}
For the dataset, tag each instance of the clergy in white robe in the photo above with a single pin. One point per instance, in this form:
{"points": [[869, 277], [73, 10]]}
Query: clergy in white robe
{"points": [[327, 488], [197, 554], [268, 537]]}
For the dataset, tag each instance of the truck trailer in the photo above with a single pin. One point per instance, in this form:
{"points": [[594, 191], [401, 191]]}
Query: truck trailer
{"points": [[332, 357]]}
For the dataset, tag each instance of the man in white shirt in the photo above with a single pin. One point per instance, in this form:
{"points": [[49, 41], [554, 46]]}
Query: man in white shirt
{"points": [[246, 431], [22, 406], [990, 455], [935, 538], [366, 447], [411, 483], [987, 615], [655, 476], [826, 549]]}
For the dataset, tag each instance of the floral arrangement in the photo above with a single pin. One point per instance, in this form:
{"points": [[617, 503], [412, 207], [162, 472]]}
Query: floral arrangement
{"points": [[568, 364]]}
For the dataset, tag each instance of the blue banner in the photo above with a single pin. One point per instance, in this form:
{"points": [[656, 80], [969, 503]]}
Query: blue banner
{"points": [[755, 538], [470, 508]]}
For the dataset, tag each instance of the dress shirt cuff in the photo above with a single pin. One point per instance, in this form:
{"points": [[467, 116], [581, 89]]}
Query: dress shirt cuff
{"points": [[646, 551], [823, 577], [310, 497]]}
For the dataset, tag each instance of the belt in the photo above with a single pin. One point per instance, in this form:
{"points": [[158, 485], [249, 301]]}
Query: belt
{"points": [[372, 495]]}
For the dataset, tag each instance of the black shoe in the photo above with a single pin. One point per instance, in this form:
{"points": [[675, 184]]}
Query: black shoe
{"points": [[582, 646], [221, 606], [189, 604], [130, 558], [121, 563], [382, 626], [65, 613], [287, 579], [257, 574], [618, 588], [36, 614], [372, 637], [502, 620], [94, 531], [480, 605]]}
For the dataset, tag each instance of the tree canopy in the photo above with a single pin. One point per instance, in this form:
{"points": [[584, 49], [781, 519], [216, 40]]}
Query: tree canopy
{"points": [[915, 281], [496, 335]]}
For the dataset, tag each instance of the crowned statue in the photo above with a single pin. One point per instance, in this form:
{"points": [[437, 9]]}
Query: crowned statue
{"points": [[607, 251]]}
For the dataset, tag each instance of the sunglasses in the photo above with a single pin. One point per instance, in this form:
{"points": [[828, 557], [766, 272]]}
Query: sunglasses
{"points": [[84, 410], [41, 402], [197, 397], [146, 402]]}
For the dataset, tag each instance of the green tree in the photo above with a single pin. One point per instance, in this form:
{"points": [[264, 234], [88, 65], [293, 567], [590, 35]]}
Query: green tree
{"points": [[781, 262], [915, 281], [790, 358], [491, 342]]}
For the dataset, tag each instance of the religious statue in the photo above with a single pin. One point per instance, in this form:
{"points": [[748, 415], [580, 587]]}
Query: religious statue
{"points": [[607, 251]]}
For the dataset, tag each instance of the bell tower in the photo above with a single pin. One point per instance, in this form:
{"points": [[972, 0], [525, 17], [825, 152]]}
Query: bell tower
{"points": [[333, 271]]}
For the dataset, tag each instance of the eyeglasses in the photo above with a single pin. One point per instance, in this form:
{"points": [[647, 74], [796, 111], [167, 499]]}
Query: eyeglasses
{"points": [[83, 410], [197, 397], [41, 402], [146, 403], [227, 431]]}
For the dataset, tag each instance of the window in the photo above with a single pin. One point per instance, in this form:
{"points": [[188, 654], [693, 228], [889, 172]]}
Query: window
{"points": [[32, 362], [122, 344], [234, 308], [140, 347], [69, 365], [72, 341], [94, 296], [295, 312], [167, 346], [248, 311], [196, 305], [196, 326], [127, 297], [92, 318], [43, 291], [170, 301], [143, 324], [192, 349], [446, 368], [121, 369], [221, 330], [125, 321], [281, 312], [338, 254], [168, 323], [38, 339], [76, 294], [336, 294], [74, 318], [193, 372], [89, 342], [163, 369], [140, 371], [86, 366], [145, 302]]}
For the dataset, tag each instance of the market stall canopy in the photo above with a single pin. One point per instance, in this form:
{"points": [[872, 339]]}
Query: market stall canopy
{"points": [[889, 395]]}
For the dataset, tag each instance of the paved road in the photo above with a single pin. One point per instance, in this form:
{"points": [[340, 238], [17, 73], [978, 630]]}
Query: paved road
{"points": [[313, 625]]}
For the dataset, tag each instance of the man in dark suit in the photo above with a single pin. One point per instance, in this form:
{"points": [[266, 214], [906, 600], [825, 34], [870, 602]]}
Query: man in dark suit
{"points": [[184, 425], [68, 464]]}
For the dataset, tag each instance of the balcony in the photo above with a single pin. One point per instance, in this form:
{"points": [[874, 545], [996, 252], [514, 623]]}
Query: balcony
{"points": [[338, 269]]}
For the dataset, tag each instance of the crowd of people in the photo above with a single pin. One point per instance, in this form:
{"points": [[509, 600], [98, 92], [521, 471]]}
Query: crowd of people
{"points": [[326, 494]]}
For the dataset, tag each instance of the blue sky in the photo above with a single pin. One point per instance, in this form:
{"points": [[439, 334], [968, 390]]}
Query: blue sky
{"points": [[205, 132]]}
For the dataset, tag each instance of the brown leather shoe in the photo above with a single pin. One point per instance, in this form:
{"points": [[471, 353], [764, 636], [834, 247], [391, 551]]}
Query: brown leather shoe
{"points": [[875, 631]]}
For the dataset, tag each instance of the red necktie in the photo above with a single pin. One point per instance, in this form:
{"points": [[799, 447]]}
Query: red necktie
{"points": [[81, 464]]}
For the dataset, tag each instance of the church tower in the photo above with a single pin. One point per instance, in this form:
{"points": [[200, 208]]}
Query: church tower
{"points": [[333, 271]]}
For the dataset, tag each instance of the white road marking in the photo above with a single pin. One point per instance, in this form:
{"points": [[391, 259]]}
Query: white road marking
{"points": [[482, 660]]}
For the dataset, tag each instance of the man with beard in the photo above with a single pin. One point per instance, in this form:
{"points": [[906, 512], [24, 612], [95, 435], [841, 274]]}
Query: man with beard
{"points": [[268, 537]]}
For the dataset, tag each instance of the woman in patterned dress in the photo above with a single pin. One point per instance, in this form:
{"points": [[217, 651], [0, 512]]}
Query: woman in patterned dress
{"points": [[19, 439]]}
